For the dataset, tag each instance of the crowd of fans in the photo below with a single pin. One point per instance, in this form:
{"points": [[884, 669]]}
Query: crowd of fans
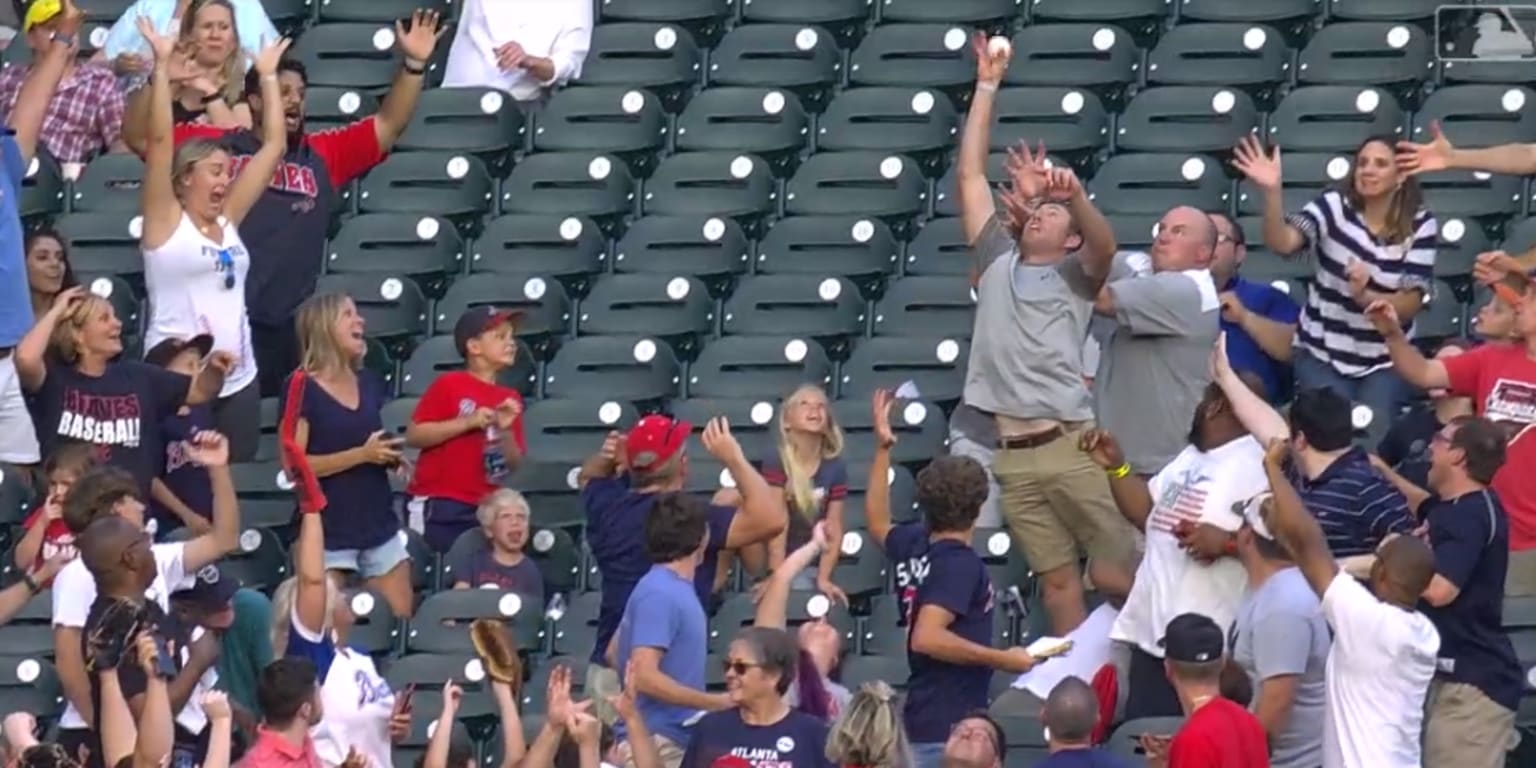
{"points": [[1296, 558]]}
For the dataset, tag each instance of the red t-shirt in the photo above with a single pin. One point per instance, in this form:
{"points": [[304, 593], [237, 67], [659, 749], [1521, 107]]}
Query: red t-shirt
{"points": [[456, 469], [1220, 734], [57, 540], [1501, 379]]}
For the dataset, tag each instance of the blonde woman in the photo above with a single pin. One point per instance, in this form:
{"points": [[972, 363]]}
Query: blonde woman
{"points": [[869, 734], [194, 260], [311, 619], [336, 426], [809, 471], [81, 393], [211, 79]]}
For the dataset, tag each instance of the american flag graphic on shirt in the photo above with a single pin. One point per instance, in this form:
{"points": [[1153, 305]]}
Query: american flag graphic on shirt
{"points": [[1181, 501]]}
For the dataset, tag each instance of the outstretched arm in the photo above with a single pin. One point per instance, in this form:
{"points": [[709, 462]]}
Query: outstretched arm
{"points": [[1294, 526]]}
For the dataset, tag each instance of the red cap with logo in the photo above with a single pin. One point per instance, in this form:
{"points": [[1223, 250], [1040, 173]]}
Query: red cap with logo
{"points": [[654, 441]]}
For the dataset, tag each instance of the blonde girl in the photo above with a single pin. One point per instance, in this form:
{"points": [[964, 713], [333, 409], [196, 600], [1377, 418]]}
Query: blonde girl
{"points": [[869, 734], [809, 471]]}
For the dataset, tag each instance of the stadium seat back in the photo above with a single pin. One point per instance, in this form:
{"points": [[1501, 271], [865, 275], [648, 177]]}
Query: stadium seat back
{"points": [[552, 484], [1191, 118], [30, 684], [618, 119], [935, 366], [856, 184], [641, 55], [888, 119], [569, 183], [441, 623], [1069, 120], [1383, 10], [1074, 55], [327, 107], [758, 120], [109, 183], [1443, 315], [970, 12], [915, 55], [447, 184], [937, 307], [357, 55], [392, 306], [572, 430], [1126, 739], [1478, 115], [42, 187], [379, 11], [795, 305], [103, 242], [939, 248], [427, 248], [802, 58], [857, 248], [480, 121], [623, 367], [707, 247], [1244, 11], [1220, 55], [1366, 53], [668, 306], [1472, 193], [711, 184], [1459, 241], [754, 421], [1096, 10], [1153, 183], [427, 671], [1307, 175], [549, 244], [546, 307], [261, 562], [757, 367], [1334, 118], [921, 428]]}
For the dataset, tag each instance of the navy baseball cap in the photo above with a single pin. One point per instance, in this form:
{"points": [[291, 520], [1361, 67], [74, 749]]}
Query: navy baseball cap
{"points": [[160, 355], [1195, 638], [211, 589], [478, 320]]}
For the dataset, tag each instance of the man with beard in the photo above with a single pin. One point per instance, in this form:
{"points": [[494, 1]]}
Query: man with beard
{"points": [[1220, 468], [290, 705], [286, 230]]}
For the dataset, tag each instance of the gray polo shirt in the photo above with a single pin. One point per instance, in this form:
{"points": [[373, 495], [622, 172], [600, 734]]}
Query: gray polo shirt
{"points": [[1280, 631], [1027, 346], [1156, 361]]}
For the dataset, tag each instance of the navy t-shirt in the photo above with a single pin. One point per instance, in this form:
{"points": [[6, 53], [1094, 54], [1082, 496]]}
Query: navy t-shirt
{"points": [[120, 412], [616, 535], [1470, 536], [1245, 354], [359, 512], [186, 480], [1405, 448], [829, 484], [480, 570], [949, 574], [722, 738], [1086, 758]]}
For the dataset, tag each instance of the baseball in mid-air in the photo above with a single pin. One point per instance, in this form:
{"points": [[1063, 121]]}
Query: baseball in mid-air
{"points": [[999, 46]]}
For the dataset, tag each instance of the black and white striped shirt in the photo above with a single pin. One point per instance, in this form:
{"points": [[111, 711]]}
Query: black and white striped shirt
{"points": [[1333, 326]]}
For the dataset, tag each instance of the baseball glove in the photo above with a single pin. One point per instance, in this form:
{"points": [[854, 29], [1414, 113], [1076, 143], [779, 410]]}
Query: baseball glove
{"points": [[494, 646]]}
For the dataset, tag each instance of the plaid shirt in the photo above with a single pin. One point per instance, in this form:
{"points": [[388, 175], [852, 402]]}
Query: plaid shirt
{"points": [[85, 116]]}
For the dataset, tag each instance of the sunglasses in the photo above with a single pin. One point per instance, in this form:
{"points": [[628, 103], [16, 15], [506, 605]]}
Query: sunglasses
{"points": [[227, 266], [739, 667]]}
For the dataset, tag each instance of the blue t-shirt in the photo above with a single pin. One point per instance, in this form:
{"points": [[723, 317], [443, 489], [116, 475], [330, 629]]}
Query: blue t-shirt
{"points": [[797, 741], [664, 613], [15, 295], [1245, 354], [829, 484], [1470, 536], [948, 574], [616, 535], [1354, 504], [359, 512], [186, 480], [1085, 758]]}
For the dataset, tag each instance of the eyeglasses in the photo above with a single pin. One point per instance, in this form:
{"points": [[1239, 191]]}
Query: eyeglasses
{"points": [[737, 666]]}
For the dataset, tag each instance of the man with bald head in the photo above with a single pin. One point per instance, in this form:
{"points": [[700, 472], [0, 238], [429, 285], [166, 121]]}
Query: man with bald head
{"points": [[1165, 313], [1071, 713], [1384, 650]]}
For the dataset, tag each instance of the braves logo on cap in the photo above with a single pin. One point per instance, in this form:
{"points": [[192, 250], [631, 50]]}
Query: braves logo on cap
{"points": [[208, 574]]}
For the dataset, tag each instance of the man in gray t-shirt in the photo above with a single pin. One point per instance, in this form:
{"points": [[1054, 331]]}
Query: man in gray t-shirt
{"points": [[1040, 260], [1154, 366], [1281, 640]]}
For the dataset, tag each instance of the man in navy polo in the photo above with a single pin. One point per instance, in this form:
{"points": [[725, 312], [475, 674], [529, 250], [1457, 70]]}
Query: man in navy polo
{"points": [[1478, 681], [1258, 319]]}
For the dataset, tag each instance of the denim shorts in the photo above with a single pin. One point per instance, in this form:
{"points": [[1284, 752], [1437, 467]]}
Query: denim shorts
{"points": [[370, 563]]}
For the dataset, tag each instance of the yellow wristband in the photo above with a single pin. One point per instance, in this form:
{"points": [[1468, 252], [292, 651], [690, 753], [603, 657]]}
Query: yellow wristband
{"points": [[1120, 471]]}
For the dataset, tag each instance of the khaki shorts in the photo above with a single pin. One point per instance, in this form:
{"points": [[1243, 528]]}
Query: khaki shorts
{"points": [[1520, 581], [1057, 504], [670, 752], [602, 683], [1465, 729]]}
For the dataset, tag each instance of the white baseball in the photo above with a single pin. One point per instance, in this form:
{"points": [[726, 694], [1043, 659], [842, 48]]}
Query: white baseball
{"points": [[999, 46]]}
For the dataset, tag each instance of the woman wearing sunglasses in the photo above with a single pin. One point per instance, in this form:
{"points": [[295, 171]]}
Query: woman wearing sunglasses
{"points": [[761, 729], [194, 261]]}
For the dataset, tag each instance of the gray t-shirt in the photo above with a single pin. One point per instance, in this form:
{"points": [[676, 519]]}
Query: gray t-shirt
{"points": [[1027, 347], [1156, 361], [1280, 630]]}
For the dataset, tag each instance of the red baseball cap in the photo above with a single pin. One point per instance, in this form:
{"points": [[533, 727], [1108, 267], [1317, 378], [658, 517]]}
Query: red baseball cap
{"points": [[654, 441]]}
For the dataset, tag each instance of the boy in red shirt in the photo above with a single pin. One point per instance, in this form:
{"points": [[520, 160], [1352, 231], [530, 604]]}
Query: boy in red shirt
{"points": [[46, 534], [468, 427], [1218, 733]]}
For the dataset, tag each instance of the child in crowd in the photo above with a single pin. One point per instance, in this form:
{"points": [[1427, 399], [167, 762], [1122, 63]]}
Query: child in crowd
{"points": [[468, 428], [1495, 321], [493, 556], [46, 534], [809, 469], [182, 495]]}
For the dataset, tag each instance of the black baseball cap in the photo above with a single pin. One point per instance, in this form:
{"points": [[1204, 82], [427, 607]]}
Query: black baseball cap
{"points": [[1193, 637], [478, 320], [160, 355], [211, 590]]}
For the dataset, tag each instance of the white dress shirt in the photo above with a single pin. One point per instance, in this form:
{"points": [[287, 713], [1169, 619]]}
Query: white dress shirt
{"points": [[559, 30]]}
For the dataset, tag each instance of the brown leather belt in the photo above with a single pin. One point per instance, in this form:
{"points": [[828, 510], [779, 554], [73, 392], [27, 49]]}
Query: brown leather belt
{"points": [[1020, 442]]}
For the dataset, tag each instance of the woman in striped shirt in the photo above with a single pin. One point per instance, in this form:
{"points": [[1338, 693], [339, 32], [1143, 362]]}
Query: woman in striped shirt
{"points": [[1374, 240]]}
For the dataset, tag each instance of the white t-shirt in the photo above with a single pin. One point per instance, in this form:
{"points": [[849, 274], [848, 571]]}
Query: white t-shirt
{"points": [[192, 717], [358, 704], [559, 30], [1091, 650], [1201, 488], [196, 286], [74, 590], [1379, 670]]}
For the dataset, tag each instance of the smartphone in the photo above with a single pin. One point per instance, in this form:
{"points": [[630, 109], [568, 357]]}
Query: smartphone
{"points": [[165, 664], [403, 701]]}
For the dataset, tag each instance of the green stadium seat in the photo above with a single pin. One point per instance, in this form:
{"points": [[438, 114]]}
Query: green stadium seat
{"points": [[921, 427], [1242, 10], [261, 562], [326, 108], [1459, 242], [1126, 739], [29, 633], [856, 184], [392, 306], [754, 421], [891, 669], [383, 12], [800, 58], [1068, 120], [939, 248], [571, 184], [938, 307], [623, 120], [1471, 194], [936, 366], [549, 484], [441, 623], [707, 247], [42, 187], [755, 120], [620, 367], [1191, 118], [1443, 316], [711, 184], [357, 55], [888, 119], [548, 244], [914, 56], [105, 242], [657, 56], [109, 183], [1152, 183], [575, 634], [1478, 115], [1096, 10], [1076, 55], [447, 184], [1366, 53], [570, 431], [1227, 55], [546, 307], [1334, 118], [1383, 10], [1307, 175], [971, 12], [795, 305], [856, 248], [479, 121], [901, 487], [30, 684], [428, 249], [428, 671], [667, 306], [757, 367], [375, 630]]}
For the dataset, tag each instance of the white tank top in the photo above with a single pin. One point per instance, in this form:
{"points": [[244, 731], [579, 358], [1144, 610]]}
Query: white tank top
{"points": [[197, 285]]}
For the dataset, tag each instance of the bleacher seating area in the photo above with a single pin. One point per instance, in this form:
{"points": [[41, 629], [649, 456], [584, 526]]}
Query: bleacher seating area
{"points": [[739, 196]]}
